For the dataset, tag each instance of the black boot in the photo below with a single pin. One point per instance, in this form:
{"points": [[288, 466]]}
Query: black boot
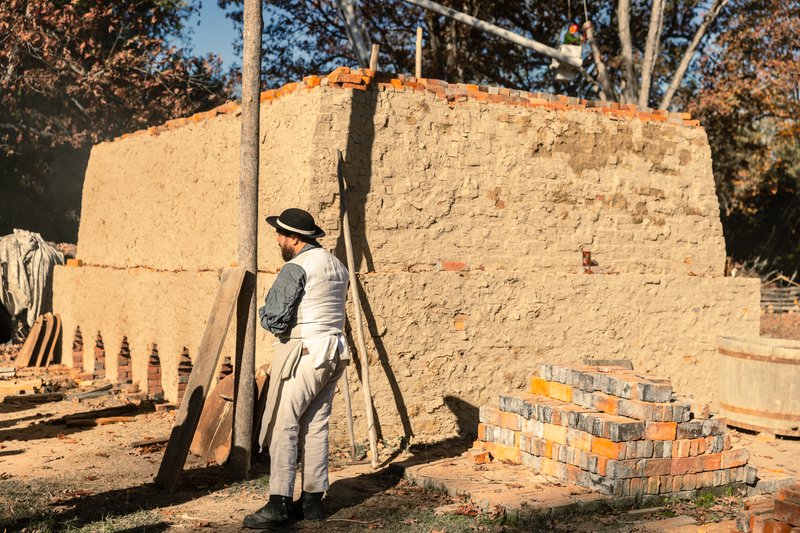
{"points": [[274, 513], [312, 505]]}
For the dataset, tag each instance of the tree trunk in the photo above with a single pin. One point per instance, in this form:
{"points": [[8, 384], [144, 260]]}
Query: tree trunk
{"points": [[716, 7], [244, 400], [651, 47], [624, 30], [606, 89]]}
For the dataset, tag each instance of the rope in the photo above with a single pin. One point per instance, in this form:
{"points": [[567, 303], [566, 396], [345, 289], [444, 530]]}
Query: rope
{"points": [[585, 12], [569, 11]]}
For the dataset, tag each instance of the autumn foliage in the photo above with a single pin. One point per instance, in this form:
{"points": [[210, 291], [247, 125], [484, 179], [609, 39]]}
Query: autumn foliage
{"points": [[749, 103], [73, 73]]}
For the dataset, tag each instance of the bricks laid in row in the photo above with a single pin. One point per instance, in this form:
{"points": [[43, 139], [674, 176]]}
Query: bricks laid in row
{"points": [[453, 93], [613, 430], [765, 514]]}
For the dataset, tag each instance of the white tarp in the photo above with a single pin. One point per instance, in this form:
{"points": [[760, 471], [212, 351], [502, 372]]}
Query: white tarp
{"points": [[26, 274]]}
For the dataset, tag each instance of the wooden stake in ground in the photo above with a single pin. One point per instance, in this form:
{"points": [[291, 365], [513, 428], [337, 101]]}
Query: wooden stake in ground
{"points": [[418, 56], [200, 379], [349, 410], [373, 58], [244, 368], [362, 346]]}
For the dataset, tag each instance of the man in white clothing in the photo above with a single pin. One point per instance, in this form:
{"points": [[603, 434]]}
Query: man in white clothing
{"points": [[305, 310]]}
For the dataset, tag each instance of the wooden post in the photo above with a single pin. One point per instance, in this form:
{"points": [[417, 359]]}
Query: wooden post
{"points": [[418, 61], [373, 57], [244, 396], [349, 410], [362, 346]]}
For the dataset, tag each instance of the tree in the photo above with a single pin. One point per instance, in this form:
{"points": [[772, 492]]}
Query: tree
{"points": [[749, 102], [75, 72], [640, 50]]}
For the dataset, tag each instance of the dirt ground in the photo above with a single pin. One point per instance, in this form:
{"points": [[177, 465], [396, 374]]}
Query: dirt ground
{"points": [[56, 478], [781, 325], [59, 478]]}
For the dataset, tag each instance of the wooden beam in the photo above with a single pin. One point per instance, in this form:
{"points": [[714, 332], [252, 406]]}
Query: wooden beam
{"points": [[200, 379]]}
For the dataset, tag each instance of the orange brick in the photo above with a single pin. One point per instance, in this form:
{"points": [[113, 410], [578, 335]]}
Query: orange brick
{"points": [[786, 511], [607, 448], [479, 457], [509, 420], [602, 465], [680, 448], [734, 458], [579, 439], [660, 430], [454, 266], [540, 386], [501, 452], [481, 431], [774, 526], [562, 392], [606, 403], [74, 262], [555, 433]]}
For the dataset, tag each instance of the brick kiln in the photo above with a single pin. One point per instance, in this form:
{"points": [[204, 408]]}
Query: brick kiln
{"points": [[471, 207]]}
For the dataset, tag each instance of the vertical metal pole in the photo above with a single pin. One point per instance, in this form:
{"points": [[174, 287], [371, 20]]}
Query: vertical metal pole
{"points": [[244, 398], [418, 62]]}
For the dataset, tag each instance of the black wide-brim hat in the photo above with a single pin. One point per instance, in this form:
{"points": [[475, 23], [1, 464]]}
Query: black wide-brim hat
{"points": [[295, 220]]}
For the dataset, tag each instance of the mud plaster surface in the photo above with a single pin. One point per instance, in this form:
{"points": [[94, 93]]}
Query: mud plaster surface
{"points": [[513, 194]]}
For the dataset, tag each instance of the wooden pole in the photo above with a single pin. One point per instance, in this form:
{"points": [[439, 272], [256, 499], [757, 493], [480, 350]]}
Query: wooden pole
{"points": [[244, 396], [362, 345], [418, 57], [373, 57], [349, 410]]}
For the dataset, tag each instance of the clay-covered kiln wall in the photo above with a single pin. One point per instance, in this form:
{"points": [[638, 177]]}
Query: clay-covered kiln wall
{"points": [[169, 201], [456, 340], [510, 188], [468, 220]]}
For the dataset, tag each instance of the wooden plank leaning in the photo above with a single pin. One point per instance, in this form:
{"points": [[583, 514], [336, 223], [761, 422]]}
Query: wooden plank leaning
{"points": [[30, 344], [200, 379], [362, 346]]}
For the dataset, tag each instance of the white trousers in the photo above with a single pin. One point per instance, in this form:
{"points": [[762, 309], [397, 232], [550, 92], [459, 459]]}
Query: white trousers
{"points": [[301, 418]]}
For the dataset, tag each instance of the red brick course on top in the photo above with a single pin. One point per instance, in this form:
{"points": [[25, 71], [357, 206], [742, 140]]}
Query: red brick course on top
{"points": [[453, 93]]}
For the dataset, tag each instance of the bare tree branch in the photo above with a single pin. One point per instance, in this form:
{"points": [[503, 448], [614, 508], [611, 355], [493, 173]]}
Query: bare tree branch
{"points": [[716, 7], [653, 40], [624, 31], [606, 89]]}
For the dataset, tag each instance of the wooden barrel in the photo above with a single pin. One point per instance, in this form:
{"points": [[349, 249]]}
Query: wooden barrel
{"points": [[760, 383]]}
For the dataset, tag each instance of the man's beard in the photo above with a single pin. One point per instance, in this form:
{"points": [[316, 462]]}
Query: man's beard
{"points": [[287, 254]]}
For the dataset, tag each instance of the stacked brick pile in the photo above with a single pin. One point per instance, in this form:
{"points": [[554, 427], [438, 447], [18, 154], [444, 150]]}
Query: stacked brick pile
{"points": [[768, 515], [184, 371], [77, 350], [155, 389], [124, 372], [99, 358], [613, 430]]}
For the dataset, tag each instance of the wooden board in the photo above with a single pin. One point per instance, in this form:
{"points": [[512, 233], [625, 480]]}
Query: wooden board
{"points": [[212, 440], [44, 340], [205, 365], [48, 351], [25, 353]]}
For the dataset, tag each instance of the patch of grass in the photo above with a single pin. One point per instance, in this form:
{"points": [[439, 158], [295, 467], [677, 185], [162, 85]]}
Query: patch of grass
{"points": [[138, 521], [705, 499]]}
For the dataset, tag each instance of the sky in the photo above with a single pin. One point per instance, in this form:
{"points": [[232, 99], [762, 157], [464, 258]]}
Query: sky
{"points": [[213, 33]]}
